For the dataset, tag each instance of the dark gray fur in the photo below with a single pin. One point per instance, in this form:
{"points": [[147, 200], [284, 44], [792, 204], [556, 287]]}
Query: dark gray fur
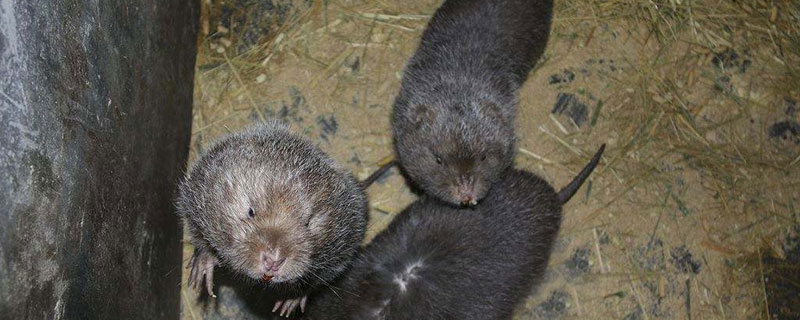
{"points": [[471, 263], [435, 261], [305, 204], [458, 96]]}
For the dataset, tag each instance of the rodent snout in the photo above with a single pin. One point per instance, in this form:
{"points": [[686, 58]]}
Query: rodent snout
{"points": [[272, 261], [465, 190]]}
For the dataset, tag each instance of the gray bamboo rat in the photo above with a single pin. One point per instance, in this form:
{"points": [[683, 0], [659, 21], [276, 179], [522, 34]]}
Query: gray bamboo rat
{"points": [[453, 119], [436, 261], [271, 206]]}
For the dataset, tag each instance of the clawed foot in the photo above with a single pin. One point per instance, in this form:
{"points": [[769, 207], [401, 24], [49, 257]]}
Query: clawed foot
{"points": [[287, 306], [202, 267]]}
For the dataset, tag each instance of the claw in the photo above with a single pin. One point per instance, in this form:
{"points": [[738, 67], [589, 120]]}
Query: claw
{"points": [[288, 306], [189, 280], [210, 280], [202, 268]]}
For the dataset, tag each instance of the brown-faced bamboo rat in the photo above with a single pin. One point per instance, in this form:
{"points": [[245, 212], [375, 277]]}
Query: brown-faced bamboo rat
{"points": [[273, 207], [453, 119]]}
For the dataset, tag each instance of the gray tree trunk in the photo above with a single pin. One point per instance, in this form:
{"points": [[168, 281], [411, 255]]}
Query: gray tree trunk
{"points": [[95, 112]]}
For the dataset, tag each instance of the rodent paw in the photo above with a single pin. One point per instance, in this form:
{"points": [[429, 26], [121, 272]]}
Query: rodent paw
{"points": [[202, 268], [289, 305]]}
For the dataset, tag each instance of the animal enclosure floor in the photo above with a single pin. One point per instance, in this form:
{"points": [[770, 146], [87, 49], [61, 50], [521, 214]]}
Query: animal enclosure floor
{"points": [[694, 211]]}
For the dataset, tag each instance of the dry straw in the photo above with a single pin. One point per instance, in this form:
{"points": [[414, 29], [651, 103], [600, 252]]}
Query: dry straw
{"points": [[689, 117]]}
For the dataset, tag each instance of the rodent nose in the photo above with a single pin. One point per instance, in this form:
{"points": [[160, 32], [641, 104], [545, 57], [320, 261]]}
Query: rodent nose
{"points": [[272, 262], [466, 193]]}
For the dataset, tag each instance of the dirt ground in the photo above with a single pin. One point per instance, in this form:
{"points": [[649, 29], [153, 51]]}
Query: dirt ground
{"points": [[693, 212]]}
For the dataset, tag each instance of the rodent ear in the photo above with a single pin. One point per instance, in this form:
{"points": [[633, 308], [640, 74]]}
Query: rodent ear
{"points": [[228, 181], [225, 185], [418, 113], [493, 110]]}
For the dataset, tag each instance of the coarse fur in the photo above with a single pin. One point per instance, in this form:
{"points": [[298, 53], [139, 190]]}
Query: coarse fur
{"points": [[435, 261], [274, 208], [453, 119]]}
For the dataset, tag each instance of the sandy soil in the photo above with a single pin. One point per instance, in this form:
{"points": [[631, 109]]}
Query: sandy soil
{"points": [[695, 197]]}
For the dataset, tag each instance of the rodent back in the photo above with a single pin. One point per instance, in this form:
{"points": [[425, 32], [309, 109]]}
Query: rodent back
{"points": [[437, 261]]}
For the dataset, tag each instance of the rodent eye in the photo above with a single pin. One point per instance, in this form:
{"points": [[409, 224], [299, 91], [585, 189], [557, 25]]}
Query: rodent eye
{"points": [[438, 159], [483, 157], [251, 213]]}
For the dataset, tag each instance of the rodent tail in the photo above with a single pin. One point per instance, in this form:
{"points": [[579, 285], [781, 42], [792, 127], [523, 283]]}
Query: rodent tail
{"points": [[567, 192], [377, 174]]}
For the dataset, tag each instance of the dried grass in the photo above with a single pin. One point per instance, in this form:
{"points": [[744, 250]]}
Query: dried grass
{"points": [[690, 160]]}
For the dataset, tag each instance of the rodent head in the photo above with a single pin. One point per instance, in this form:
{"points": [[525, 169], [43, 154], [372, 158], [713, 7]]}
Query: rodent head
{"points": [[456, 154], [257, 220], [272, 206]]}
